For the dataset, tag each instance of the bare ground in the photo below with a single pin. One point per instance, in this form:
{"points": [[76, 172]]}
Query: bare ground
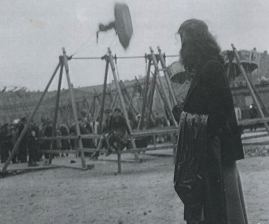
{"points": [[143, 193]]}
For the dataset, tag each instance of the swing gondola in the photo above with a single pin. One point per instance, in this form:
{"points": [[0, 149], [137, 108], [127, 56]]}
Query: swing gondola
{"points": [[122, 24]]}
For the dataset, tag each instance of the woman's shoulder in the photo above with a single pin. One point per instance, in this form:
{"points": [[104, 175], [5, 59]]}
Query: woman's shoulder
{"points": [[213, 65]]}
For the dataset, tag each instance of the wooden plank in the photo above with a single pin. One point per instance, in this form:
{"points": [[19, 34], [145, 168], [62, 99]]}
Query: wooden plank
{"points": [[56, 151], [84, 136], [246, 122], [135, 133], [137, 150], [35, 168], [254, 136], [59, 137], [256, 143], [152, 132]]}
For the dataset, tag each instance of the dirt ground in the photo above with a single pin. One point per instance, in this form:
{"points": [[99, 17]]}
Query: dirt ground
{"points": [[143, 193]]}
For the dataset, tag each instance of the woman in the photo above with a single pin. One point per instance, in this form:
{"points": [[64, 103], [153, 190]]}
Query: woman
{"points": [[206, 177]]}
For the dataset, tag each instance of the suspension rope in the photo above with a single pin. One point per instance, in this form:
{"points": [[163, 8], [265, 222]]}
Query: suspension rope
{"points": [[83, 45]]}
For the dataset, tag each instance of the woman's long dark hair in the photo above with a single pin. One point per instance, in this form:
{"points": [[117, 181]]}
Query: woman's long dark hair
{"points": [[198, 45]]}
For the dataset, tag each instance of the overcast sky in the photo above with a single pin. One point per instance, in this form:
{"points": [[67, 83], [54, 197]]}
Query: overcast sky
{"points": [[33, 33]]}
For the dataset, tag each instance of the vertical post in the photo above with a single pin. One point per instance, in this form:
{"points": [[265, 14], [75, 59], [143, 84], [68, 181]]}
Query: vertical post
{"points": [[110, 96], [127, 98], [158, 98], [163, 90], [131, 102], [119, 161], [174, 146], [146, 86], [103, 99], [14, 150], [70, 86], [167, 77], [151, 96], [93, 107], [114, 101], [249, 86], [54, 131], [121, 98]]}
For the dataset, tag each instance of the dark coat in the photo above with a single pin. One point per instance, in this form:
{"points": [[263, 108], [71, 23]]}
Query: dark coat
{"points": [[119, 124], [210, 94]]}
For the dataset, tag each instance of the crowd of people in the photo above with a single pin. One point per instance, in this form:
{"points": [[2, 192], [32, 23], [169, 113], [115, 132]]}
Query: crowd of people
{"points": [[114, 130]]}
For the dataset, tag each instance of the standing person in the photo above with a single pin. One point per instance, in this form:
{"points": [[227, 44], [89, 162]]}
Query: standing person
{"points": [[48, 143], [106, 131], [94, 127], [253, 114], [206, 177], [33, 146], [14, 134], [65, 142], [6, 144], [23, 145], [238, 115]]}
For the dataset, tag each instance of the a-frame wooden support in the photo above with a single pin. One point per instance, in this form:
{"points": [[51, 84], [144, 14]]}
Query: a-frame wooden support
{"points": [[255, 95], [110, 62], [63, 63], [167, 96]]}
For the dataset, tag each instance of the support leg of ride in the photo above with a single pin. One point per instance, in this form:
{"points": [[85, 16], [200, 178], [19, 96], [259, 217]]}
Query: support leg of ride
{"points": [[50, 158], [119, 160], [174, 140], [154, 140], [137, 157]]}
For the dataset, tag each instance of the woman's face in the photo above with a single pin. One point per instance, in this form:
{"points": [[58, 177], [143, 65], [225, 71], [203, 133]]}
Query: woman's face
{"points": [[183, 36]]}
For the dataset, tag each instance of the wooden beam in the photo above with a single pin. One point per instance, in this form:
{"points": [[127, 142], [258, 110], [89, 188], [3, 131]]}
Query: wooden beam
{"points": [[246, 122], [54, 124], [151, 97], [145, 92], [103, 99]]}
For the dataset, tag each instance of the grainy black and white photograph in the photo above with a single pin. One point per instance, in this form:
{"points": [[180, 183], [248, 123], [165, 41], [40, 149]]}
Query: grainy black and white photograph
{"points": [[129, 112]]}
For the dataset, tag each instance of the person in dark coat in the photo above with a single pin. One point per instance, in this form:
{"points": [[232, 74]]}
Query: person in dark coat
{"points": [[6, 142], [206, 177], [23, 147], [65, 142], [33, 146], [106, 131], [118, 138], [14, 134], [48, 143], [253, 114]]}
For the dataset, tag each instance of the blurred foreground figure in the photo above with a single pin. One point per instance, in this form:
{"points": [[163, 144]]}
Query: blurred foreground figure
{"points": [[206, 177]]}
